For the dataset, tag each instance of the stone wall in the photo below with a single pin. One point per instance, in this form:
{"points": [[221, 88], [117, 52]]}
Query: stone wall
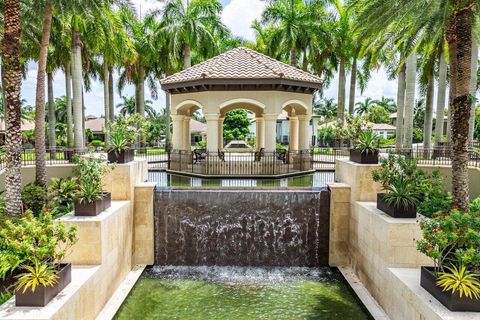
{"points": [[339, 224], [28, 173], [143, 233]]}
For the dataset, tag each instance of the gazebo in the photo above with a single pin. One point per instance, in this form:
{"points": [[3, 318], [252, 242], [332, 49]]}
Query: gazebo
{"points": [[242, 79]]}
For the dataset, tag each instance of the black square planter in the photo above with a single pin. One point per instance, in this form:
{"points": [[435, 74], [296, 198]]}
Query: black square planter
{"points": [[106, 200], [124, 156], [363, 157], [452, 302], [395, 212], [89, 209], [44, 294]]}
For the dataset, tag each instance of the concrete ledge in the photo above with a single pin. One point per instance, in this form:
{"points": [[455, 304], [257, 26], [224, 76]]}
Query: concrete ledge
{"points": [[76, 301], [339, 224], [359, 178], [413, 302], [143, 217]]}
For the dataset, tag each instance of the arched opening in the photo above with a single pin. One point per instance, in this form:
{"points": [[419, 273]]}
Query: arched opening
{"points": [[186, 133], [294, 126]]}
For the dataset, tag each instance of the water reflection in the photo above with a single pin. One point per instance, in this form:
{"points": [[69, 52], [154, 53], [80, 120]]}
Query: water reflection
{"points": [[316, 180]]}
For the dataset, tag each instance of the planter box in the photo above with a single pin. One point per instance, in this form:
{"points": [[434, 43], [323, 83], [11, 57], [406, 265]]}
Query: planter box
{"points": [[89, 209], [124, 156], [395, 212], [42, 295], [452, 302], [106, 200], [364, 158]]}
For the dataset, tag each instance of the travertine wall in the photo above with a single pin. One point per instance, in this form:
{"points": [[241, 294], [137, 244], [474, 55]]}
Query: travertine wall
{"points": [[28, 173], [144, 249], [359, 178], [339, 224]]}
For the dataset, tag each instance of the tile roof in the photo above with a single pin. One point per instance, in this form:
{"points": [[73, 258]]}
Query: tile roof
{"points": [[242, 63]]}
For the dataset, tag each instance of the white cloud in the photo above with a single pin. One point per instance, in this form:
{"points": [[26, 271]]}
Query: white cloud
{"points": [[238, 15]]}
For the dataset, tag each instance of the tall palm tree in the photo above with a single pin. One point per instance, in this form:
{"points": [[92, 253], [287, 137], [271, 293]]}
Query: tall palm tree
{"points": [[441, 97], [411, 73], [362, 107], [193, 25], [387, 103], [12, 78], [402, 82]]}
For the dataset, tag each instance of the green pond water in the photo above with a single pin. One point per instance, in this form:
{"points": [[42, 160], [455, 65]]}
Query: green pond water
{"points": [[236, 293]]}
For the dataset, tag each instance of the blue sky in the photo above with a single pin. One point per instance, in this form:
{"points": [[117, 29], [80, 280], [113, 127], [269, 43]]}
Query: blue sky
{"points": [[238, 16]]}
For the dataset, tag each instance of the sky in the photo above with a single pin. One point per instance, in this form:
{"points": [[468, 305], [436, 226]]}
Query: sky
{"points": [[237, 15]]}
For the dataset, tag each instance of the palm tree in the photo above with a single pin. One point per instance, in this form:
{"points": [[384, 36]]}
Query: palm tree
{"points": [[441, 97], [409, 100], [326, 108], [128, 106], [193, 25], [362, 107], [12, 78], [387, 103]]}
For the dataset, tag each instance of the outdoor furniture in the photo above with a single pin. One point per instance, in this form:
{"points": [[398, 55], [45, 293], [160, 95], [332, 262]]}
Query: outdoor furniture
{"points": [[259, 154], [199, 154], [221, 155], [282, 155]]}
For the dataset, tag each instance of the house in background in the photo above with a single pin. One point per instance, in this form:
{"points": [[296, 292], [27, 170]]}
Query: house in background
{"points": [[385, 130], [393, 121]]}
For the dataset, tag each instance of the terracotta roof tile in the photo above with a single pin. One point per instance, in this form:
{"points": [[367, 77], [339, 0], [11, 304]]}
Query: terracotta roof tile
{"points": [[241, 63]]}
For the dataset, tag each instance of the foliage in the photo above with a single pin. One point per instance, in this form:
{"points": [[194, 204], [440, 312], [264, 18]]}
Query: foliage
{"points": [[236, 125], [378, 114], [326, 136], [352, 129], [434, 196], [34, 197], [417, 135], [396, 167], [33, 276], [97, 143], [367, 142], [124, 132], [280, 147], [5, 296], [89, 174], [326, 108], [459, 279], [30, 241], [61, 194], [401, 193]]}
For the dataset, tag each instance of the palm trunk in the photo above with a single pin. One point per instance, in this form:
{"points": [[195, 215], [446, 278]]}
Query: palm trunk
{"points": [[111, 96], [427, 126], [400, 107], [52, 121], [12, 79], [442, 92], [106, 97], [305, 61], [140, 99], [409, 100], [462, 102], [293, 57], [187, 57], [68, 93], [168, 137], [40, 165], [341, 89], [473, 88], [353, 87], [77, 79]]}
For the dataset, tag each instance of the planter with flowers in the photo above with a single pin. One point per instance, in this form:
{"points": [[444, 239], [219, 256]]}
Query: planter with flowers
{"points": [[31, 248], [122, 134], [452, 240]]}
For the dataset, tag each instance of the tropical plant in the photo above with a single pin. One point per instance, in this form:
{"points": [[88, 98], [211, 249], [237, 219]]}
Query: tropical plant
{"points": [[362, 107], [434, 197], [61, 194], [401, 193], [33, 276], [367, 142], [387, 103], [327, 108], [34, 197], [124, 132], [461, 280], [236, 125], [89, 174], [90, 191], [378, 114]]}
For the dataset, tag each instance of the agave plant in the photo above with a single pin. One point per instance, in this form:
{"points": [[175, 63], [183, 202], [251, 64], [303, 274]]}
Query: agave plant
{"points": [[459, 279], [401, 193], [367, 142]]}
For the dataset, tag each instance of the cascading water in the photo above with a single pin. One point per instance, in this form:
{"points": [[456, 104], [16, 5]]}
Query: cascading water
{"points": [[242, 227]]}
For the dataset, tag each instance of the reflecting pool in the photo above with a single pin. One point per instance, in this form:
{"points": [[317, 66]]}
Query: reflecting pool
{"points": [[242, 293]]}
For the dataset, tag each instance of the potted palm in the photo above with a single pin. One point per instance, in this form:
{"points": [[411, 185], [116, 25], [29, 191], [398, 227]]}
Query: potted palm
{"points": [[123, 134], [32, 248], [90, 198], [452, 240], [365, 148]]}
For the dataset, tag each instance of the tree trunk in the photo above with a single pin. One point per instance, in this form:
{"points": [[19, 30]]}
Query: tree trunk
{"points": [[52, 121], [187, 57], [305, 61], [168, 136], [409, 100], [68, 93], [106, 97], [442, 92], [140, 100], [341, 90], [473, 88], [12, 78], [353, 87], [293, 57], [111, 96], [427, 126], [40, 165], [400, 107], [77, 79], [462, 37]]}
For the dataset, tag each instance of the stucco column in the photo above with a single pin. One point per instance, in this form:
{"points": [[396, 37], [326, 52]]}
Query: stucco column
{"points": [[293, 143], [177, 136], [303, 132], [187, 138], [220, 132], [260, 121], [270, 131], [212, 131]]}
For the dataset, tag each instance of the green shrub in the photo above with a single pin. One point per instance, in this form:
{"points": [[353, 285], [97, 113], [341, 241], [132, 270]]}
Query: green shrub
{"points": [[124, 132], [61, 194], [89, 174], [97, 143], [434, 198], [34, 197]]}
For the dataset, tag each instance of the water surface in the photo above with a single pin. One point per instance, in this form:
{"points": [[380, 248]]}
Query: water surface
{"points": [[241, 293]]}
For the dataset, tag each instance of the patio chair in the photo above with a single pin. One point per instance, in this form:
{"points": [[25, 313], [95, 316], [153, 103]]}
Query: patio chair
{"points": [[199, 154], [259, 154], [221, 155], [282, 155]]}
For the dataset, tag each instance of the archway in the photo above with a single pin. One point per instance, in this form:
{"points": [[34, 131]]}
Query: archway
{"points": [[181, 138], [299, 121]]}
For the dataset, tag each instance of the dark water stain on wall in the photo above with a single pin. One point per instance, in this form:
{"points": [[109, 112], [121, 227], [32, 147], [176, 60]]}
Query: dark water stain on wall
{"points": [[242, 227]]}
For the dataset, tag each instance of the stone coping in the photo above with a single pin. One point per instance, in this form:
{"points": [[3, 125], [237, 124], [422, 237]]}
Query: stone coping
{"points": [[80, 276], [372, 206], [423, 301], [72, 218]]}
